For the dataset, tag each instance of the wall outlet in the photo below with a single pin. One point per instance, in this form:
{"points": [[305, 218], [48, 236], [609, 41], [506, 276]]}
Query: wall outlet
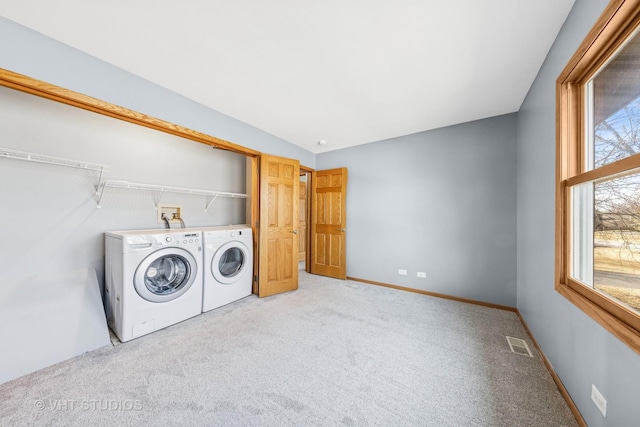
{"points": [[599, 400], [422, 274], [402, 272]]}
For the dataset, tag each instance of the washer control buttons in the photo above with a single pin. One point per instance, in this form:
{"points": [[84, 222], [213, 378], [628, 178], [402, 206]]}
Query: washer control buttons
{"points": [[168, 239]]}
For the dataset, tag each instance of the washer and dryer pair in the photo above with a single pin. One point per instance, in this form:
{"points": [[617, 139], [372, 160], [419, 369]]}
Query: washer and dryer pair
{"points": [[157, 278]]}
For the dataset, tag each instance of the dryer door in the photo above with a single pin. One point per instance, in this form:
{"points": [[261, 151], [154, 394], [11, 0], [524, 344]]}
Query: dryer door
{"points": [[165, 275], [230, 262]]}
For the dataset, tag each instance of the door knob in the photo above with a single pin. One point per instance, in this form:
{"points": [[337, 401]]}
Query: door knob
{"points": [[342, 230], [294, 231]]}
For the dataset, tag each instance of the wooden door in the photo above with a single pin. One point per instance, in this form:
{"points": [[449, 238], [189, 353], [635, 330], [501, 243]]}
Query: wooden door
{"points": [[279, 186], [329, 223], [302, 222]]}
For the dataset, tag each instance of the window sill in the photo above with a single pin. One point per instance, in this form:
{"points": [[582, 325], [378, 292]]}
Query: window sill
{"points": [[620, 329]]}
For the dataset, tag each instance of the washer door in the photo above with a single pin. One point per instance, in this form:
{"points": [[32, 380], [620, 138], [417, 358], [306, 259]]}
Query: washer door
{"points": [[165, 275], [230, 262]]}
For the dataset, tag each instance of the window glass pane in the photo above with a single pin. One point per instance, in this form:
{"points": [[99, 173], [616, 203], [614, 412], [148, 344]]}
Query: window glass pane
{"points": [[615, 109], [616, 239]]}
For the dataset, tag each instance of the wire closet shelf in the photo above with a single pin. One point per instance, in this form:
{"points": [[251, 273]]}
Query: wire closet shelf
{"points": [[211, 195]]}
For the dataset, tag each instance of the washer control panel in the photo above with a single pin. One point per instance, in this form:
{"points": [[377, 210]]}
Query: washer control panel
{"points": [[148, 241], [182, 238]]}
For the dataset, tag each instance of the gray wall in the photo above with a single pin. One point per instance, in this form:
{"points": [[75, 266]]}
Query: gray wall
{"points": [[580, 350], [35, 55], [441, 202]]}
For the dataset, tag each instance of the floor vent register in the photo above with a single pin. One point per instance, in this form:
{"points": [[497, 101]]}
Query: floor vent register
{"points": [[519, 346]]}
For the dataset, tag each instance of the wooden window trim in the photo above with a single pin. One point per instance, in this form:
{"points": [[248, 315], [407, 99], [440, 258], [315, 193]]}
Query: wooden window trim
{"points": [[616, 24], [612, 169]]}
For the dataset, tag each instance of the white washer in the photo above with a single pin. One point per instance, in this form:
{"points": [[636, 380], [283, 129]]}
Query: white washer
{"points": [[228, 263], [153, 279]]}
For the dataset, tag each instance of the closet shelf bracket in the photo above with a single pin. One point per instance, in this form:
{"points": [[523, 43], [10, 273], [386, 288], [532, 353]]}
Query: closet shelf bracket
{"points": [[100, 189], [9, 153], [213, 199]]}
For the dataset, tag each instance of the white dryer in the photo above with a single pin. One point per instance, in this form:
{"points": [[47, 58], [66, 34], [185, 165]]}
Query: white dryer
{"points": [[228, 263], [153, 279]]}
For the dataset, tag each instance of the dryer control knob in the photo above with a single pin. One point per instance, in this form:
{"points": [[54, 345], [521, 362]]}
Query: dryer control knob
{"points": [[168, 239], [233, 234]]}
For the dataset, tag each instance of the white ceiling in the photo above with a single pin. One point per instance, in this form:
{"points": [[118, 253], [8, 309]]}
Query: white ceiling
{"points": [[345, 71]]}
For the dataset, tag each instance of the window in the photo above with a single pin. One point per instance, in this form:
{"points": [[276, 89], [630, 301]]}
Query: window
{"points": [[598, 174]]}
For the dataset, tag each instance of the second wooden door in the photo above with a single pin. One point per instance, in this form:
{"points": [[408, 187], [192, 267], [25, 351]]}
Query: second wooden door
{"points": [[329, 223]]}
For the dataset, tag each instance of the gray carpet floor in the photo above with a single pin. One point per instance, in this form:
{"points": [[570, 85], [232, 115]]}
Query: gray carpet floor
{"points": [[331, 353]]}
